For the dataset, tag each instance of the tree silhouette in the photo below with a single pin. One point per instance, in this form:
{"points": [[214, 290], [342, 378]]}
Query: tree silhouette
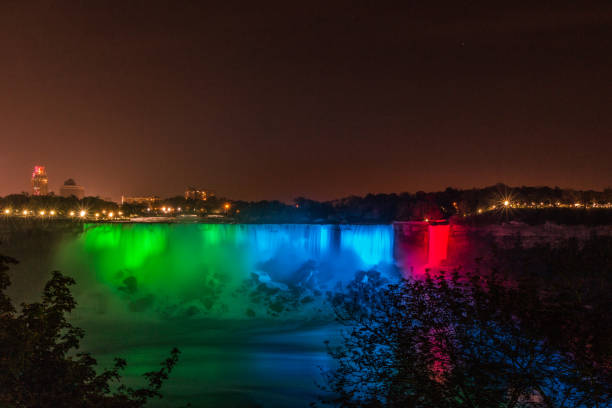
{"points": [[39, 362], [461, 341]]}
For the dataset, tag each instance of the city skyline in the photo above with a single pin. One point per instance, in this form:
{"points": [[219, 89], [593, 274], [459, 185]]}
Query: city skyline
{"points": [[201, 193], [277, 101]]}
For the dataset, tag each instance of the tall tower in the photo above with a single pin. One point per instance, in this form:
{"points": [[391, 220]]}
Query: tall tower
{"points": [[39, 181]]}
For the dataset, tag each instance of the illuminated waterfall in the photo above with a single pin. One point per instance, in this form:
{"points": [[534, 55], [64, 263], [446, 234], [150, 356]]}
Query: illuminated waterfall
{"points": [[219, 267], [132, 244], [438, 244]]}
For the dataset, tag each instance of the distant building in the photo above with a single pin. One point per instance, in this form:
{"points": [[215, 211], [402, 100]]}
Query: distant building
{"points": [[198, 194], [39, 181], [146, 200], [70, 188]]}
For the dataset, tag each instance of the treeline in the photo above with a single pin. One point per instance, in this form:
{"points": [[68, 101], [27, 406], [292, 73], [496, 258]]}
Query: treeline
{"points": [[419, 206], [561, 216], [532, 205], [16, 203], [213, 205]]}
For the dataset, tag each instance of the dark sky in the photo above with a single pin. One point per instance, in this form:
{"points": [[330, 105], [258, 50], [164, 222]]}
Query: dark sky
{"points": [[322, 99]]}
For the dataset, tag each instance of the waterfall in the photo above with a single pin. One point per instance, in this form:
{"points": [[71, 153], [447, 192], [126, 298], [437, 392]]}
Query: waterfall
{"points": [[223, 266], [373, 243], [438, 244]]}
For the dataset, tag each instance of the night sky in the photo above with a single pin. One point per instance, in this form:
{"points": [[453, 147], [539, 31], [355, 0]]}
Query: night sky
{"points": [[261, 100]]}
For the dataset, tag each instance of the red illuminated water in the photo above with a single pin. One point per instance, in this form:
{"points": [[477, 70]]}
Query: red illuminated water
{"points": [[438, 245]]}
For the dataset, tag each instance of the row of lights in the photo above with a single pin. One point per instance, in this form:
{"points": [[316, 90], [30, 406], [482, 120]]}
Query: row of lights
{"points": [[81, 213], [510, 204], [167, 210], [505, 204]]}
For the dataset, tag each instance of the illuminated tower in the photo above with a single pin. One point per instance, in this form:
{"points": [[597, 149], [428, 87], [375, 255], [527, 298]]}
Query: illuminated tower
{"points": [[39, 181]]}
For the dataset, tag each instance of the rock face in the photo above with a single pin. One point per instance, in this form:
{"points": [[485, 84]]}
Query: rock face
{"points": [[32, 232], [467, 243], [419, 245]]}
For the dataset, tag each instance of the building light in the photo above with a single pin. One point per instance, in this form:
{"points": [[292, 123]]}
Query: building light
{"points": [[226, 206], [42, 212], [120, 213], [110, 214], [52, 212], [39, 181], [7, 211], [25, 212], [72, 213], [82, 213], [97, 215], [506, 203], [479, 211]]}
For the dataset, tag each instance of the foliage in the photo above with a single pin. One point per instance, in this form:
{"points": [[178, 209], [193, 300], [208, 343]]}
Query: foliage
{"points": [[386, 208], [576, 277], [39, 362], [465, 341]]}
